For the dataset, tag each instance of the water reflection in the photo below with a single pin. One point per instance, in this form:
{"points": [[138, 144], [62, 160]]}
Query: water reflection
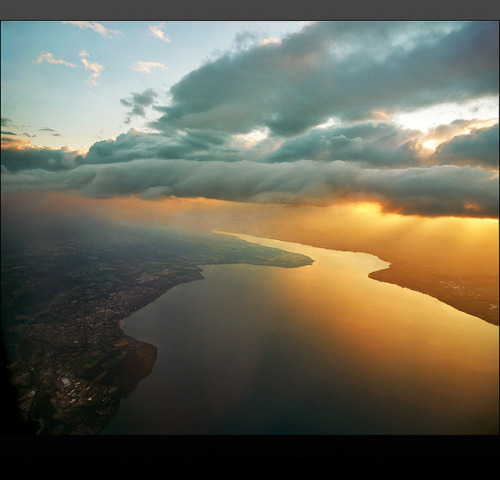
{"points": [[316, 349]]}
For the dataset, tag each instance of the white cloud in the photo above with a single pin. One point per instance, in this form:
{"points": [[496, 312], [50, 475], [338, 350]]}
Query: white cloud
{"points": [[95, 68], [97, 27], [157, 31], [146, 67], [48, 57]]}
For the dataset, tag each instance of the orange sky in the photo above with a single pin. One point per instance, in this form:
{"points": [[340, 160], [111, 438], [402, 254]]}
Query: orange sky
{"points": [[461, 245]]}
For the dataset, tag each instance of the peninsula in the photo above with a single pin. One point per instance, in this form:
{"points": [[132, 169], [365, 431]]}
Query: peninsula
{"points": [[69, 361]]}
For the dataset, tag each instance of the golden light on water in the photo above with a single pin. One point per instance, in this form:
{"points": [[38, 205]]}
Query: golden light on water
{"points": [[404, 347], [379, 341]]}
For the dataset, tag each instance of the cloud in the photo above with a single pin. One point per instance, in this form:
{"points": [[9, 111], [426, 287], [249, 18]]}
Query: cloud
{"points": [[139, 102], [479, 147], [438, 190], [135, 145], [309, 119], [146, 67], [20, 155], [6, 121], [370, 143], [14, 144], [95, 68], [385, 144], [367, 144], [51, 130], [48, 57], [97, 27], [158, 32], [344, 70], [244, 39]]}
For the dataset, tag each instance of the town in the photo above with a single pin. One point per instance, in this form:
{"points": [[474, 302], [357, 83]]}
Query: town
{"points": [[70, 362]]}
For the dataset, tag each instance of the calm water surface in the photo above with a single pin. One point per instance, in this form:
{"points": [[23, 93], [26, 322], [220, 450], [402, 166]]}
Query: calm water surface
{"points": [[320, 349]]}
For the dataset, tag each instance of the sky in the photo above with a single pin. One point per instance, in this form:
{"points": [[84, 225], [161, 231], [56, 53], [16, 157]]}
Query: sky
{"points": [[401, 114]]}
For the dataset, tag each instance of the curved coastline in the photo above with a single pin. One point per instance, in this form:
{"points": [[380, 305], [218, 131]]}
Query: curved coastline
{"points": [[415, 326], [446, 289]]}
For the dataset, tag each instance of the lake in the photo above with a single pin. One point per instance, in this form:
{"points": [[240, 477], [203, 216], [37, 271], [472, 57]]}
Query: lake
{"points": [[319, 349]]}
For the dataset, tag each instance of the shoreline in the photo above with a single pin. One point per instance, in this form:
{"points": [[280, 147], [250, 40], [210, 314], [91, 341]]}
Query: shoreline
{"points": [[442, 290], [77, 364], [476, 297], [118, 362], [384, 275], [144, 394]]}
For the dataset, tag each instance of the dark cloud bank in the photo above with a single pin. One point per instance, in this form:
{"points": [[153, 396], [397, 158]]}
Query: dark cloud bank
{"points": [[352, 72], [344, 69], [438, 190]]}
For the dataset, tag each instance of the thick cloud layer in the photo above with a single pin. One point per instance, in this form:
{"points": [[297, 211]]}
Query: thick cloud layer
{"points": [[135, 145], [18, 155], [377, 144], [438, 190], [480, 147], [305, 119], [339, 69]]}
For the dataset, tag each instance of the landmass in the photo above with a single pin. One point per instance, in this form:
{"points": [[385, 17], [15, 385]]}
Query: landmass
{"points": [[473, 294], [69, 362]]}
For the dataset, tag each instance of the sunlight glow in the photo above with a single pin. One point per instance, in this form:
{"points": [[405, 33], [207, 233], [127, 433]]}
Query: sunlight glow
{"points": [[445, 113], [252, 138], [270, 41], [329, 123], [431, 144]]}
